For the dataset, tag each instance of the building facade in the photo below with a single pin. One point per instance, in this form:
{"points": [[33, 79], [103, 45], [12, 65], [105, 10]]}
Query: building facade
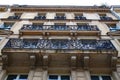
{"points": [[59, 42]]}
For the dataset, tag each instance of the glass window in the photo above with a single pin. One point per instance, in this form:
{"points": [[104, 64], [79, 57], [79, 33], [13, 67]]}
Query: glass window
{"points": [[106, 78], [53, 77], [94, 77], [59, 77], [17, 77], [101, 78], [65, 77], [11, 77], [23, 77]]}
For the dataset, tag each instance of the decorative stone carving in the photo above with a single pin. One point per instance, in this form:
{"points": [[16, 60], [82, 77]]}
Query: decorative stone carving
{"points": [[45, 61], [5, 61], [73, 62], [113, 62], [86, 62], [32, 61]]}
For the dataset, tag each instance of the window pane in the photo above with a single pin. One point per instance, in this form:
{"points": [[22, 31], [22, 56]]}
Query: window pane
{"points": [[94, 77], [23, 77], [11, 77], [65, 78], [53, 77], [106, 78]]}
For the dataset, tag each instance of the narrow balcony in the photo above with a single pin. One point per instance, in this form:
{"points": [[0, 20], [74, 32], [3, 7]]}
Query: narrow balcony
{"points": [[114, 29], [60, 30], [40, 17], [80, 18], [5, 28], [59, 44], [105, 18], [15, 16]]}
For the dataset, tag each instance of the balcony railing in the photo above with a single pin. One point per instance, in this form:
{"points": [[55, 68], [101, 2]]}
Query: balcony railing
{"points": [[60, 44], [60, 17], [14, 17], [40, 17], [5, 26], [105, 18], [80, 18], [87, 28], [32, 27], [61, 27]]}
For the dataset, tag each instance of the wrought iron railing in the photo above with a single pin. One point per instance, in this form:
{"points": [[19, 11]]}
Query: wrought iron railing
{"points": [[60, 27], [61, 44]]}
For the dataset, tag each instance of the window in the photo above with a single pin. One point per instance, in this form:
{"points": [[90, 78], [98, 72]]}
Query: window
{"points": [[104, 17], [59, 77], [15, 16], [6, 26], [60, 26], [60, 16], [40, 16], [113, 27], [16, 77], [95, 77], [34, 26], [80, 17]]}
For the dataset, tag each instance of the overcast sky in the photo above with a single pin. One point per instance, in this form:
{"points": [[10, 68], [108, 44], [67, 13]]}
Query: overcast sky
{"points": [[61, 2]]}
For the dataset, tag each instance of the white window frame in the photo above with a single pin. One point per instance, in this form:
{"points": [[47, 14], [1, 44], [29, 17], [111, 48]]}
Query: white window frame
{"points": [[100, 76], [59, 76], [17, 78]]}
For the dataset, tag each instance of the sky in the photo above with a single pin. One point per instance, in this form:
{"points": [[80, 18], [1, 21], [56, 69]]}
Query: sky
{"points": [[61, 2]]}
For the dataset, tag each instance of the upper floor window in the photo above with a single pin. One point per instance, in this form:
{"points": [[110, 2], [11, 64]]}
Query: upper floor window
{"points": [[104, 17], [16, 77], [6, 26], [113, 27], [60, 26], [86, 27], [80, 17], [34, 26], [59, 77], [15, 16], [104, 77], [40, 16], [60, 16]]}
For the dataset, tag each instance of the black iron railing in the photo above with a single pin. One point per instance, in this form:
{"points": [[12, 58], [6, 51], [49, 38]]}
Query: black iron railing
{"points": [[6, 26], [14, 17], [60, 27], [105, 18], [80, 18], [63, 44]]}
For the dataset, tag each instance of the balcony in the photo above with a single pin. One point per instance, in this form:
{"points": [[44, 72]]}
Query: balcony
{"points": [[80, 18], [114, 29], [40, 17], [105, 18], [60, 30], [14, 17], [60, 17], [59, 27], [5, 28], [32, 27], [60, 44]]}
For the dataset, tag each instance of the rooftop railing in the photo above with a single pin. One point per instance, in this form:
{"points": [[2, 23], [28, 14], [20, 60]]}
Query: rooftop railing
{"points": [[61, 44]]}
